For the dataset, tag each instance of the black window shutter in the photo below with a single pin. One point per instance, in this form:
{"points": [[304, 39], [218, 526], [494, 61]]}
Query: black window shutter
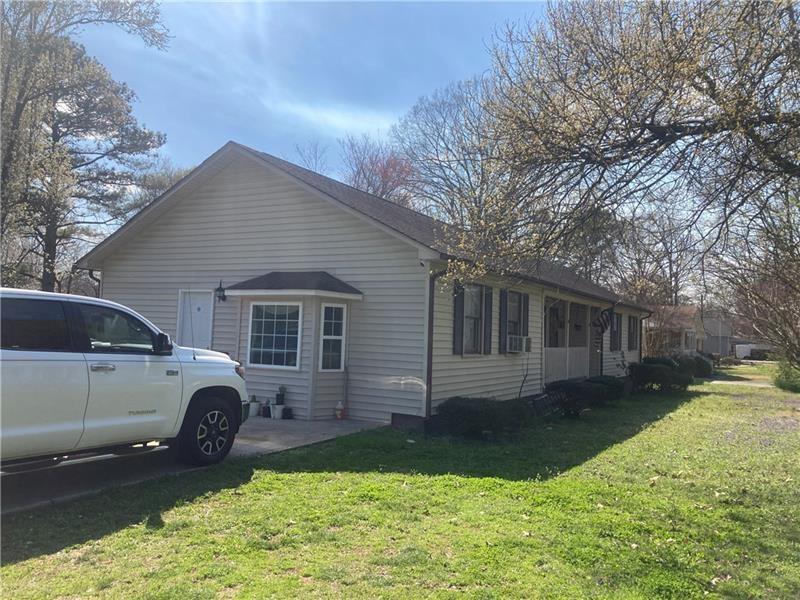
{"points": [[487, 319], [525, 302], [458, 320], [503, 321]]}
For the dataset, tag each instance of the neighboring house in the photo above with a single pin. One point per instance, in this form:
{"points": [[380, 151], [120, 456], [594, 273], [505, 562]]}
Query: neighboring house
{"points": [[685, 329], [674, 330], [338, 295], [719, 331]]}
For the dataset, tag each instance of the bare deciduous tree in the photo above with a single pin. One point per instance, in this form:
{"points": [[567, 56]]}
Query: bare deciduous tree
{"points": [[757, 277], [657, 258], [613, 102], [459, 177], [447, 140], [313, 156], [374, 166]]}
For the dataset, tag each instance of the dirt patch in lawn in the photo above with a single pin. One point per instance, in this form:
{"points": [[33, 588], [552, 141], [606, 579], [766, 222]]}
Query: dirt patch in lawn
{"points": [[779, 424], [793, 402]]}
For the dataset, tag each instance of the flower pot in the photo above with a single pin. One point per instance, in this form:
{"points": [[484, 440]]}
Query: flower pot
{"points": [[276, 411], [254, 408]]}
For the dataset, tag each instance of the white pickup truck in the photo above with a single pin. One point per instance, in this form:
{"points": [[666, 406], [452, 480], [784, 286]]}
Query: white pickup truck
{"points": [[81, 375]]}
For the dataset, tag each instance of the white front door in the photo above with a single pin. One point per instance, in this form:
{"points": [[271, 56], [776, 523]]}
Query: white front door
{"points": [[195, 317]]}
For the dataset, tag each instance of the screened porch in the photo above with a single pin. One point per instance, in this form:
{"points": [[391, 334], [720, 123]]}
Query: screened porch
{"points": [[572, 346]]}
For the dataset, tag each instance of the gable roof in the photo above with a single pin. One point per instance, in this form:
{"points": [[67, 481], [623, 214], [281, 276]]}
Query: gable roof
{"points": [[405, 222], [414, 225], [683, 316]]}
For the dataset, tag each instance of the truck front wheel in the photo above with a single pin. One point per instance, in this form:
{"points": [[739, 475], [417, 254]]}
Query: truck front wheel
{"points": [[207, 433]]}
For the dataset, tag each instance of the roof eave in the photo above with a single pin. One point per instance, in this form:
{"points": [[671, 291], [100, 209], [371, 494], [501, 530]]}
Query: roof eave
{"points": [[554, 286], [269, 293]]}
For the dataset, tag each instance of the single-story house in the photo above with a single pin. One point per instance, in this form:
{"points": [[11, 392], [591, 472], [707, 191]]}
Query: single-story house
{"points": [[674, 330], [718, 333], [338, 295], [685, 329]]}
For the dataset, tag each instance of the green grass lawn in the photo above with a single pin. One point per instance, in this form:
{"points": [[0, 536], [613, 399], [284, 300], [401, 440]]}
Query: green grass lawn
{"points": [[655, 496], [762, 372]]}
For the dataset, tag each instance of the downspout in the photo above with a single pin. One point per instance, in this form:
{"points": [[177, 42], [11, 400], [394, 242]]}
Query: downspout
{"points": [[98, 281], [641, 333], [432, 277]]}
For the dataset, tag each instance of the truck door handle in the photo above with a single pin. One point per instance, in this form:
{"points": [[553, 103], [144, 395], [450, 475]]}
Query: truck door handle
{"points": [[103, 367]]}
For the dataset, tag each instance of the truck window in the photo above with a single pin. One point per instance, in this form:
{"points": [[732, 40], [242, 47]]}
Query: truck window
{"points": [[110, 330], [28, 324]]}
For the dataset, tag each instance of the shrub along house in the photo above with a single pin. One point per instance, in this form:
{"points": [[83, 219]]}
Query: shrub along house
{"points": [[337, 295]]}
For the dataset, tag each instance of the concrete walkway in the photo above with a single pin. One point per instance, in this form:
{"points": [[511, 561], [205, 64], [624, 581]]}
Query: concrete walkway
{"points": [[262, 436], [75, 479], [761, 384]]}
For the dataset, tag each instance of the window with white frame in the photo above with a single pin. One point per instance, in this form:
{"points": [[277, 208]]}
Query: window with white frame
{"points": [[331, 352], [275, 334]]}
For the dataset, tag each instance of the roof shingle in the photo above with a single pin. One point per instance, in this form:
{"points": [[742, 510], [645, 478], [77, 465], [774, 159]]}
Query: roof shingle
{"points": [[428, 231], [296, 280]]}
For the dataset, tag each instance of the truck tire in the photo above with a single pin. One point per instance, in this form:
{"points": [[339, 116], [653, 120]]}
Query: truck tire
{"points": [[207, 432]]}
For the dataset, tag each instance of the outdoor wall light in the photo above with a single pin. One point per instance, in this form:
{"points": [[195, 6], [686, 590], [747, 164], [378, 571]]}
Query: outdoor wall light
{"points": [[220, 292]]}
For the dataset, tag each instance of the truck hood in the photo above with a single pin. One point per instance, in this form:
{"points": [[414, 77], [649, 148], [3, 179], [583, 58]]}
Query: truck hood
{"points": [[188, 354]]}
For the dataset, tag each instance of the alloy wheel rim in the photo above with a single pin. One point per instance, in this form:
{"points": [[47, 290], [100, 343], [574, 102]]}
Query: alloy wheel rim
{"points": [[212, 433]]}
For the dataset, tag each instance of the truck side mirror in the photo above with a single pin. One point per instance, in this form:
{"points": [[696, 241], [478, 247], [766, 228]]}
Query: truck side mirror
{"points": [[163, 345]]}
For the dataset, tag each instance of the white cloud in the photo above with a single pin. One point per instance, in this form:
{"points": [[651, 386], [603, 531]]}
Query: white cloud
{"points": [[333, 119]]}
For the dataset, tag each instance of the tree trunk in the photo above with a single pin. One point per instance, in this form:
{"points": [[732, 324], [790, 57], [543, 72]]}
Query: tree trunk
{"points": [[49, 251]]}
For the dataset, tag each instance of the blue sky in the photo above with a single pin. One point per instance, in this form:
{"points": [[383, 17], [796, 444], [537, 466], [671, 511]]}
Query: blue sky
{"points": [[274, 75]]}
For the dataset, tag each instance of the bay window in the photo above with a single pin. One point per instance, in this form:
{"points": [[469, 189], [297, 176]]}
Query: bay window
{"points": [[331, 351], [274, 335]]}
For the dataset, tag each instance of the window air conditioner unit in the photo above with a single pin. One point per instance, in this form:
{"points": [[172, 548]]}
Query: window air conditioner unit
{"points": [[518, 344]]}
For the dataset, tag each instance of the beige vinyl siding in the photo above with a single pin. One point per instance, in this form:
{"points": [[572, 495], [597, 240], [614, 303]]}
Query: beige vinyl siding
{"points": [[247, 221], [494, 375], [500, 376], [330, 390]]}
